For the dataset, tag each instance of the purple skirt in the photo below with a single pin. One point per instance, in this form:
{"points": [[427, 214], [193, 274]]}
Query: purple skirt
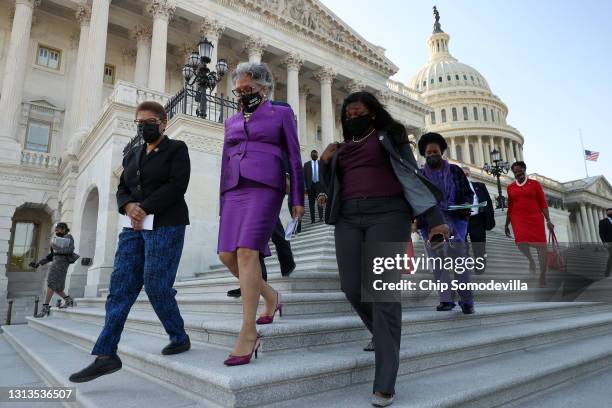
{"points": [[249, 213]]}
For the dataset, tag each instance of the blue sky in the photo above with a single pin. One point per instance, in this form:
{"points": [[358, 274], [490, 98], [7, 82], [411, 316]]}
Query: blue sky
{"points": [[549, 61]]}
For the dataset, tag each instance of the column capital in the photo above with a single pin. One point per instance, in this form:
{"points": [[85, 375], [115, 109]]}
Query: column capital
{"points": [[384, 96], [254, 46], [293, 61], [83, 14], [29, 3], [305, 90], [128, 55], [354, 85], [141, 32], [163, 9], [325, 74], [211, 28]]}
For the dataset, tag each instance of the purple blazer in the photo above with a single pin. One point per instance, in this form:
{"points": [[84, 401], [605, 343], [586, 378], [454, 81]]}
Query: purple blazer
{"points": [[254, 150]]}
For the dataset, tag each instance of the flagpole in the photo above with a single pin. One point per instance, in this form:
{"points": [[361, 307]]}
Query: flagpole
{"points": [[583, 153]]}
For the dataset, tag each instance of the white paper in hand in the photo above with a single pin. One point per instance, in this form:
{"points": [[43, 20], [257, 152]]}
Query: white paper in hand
{"points": [[290, 231], [147, 223]]}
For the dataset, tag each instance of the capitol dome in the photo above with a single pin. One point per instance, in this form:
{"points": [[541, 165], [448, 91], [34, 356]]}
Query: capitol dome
{"points": [[464, 109]]}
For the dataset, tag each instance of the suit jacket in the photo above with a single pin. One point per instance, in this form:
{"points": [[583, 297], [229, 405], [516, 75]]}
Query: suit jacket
{"points": [[488, 213], [158, 181], [605, 230], [254, 150], [420, 193], [308, 173]]}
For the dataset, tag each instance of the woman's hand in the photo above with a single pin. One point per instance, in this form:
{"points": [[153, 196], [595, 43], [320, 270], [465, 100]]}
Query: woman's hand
{"points": [[550, 225], [439, 229], [329, 151], [322, 200], [135, 212], [297, 211], [507, 231]]}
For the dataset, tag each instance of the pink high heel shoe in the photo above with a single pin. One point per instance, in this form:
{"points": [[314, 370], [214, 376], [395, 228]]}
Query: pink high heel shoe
{"points": [[246, 359], [270, 319]]}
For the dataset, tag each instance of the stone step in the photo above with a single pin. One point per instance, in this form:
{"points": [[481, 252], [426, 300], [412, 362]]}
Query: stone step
{"points": [[493, 381], [56, 360], [285, 375], [290, 333]]}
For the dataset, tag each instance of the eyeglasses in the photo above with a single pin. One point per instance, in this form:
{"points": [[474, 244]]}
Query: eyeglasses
{"points": [[148, 122], [247, 90]]}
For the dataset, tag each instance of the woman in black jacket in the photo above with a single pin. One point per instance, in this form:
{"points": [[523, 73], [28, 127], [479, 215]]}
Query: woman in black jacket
{"points": [[372, 193], [154, 181]]}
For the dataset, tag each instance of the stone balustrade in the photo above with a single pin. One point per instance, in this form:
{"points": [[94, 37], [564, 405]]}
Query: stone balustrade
{"points": [[38, 159], [131, 94]]}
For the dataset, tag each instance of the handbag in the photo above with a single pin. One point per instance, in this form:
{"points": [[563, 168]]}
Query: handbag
{"points": [[554, 257], [72, 258]]}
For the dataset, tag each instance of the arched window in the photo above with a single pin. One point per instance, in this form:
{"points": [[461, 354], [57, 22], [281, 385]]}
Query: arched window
{"points": [[443, 113], [492, 116], [448, 77], [457, 77], [465, 113], [464, 77], [432, 81], [439, 79], [424, 84], [454, 114], [459, 153], [484, 114], [475, 113], [471, 148], [498, 117], [471, 76], [433, 118]]}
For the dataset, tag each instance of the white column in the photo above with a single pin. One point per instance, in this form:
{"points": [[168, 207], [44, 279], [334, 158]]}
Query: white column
{"points": [[520, 151], [302, 122], [229, 85], [595, 223], [293, 62], [94, 68], [142, 34], [479, 155], [162, 11], [354, 86], [467, 158], [453, 149], [14, 78], [83, 16], [491, 148], [326, 76], [502, 144], [580, 223], [584, 221], [212, 30], [254, 47]]}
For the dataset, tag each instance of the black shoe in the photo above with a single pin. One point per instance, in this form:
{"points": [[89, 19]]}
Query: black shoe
{"points": [[286, 271], [176, 348], [467, 308], [46, 311], [234, 293], [370, 346], [445, 306], [68, 302], [96, 369]]}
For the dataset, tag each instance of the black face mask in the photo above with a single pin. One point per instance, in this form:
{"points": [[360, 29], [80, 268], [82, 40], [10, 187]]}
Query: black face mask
{"points": [[434, 160], [149, 132], [358, 126], [250, 102], [60, 234]]}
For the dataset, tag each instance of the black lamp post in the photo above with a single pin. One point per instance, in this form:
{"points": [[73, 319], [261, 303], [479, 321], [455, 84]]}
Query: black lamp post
{"points": [[498, 168], [196, 71]]}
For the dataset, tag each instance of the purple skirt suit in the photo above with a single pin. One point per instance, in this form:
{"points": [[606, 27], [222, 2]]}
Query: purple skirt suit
{"points": [[253, 176]]}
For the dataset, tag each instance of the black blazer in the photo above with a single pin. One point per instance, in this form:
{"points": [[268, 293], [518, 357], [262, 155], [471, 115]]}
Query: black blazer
{"points": [[158, 181], [488, 213], [308, 173], [605, 230], [422, 195]]}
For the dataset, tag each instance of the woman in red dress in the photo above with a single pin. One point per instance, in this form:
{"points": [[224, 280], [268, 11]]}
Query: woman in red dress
{"points": [[527, 210]]}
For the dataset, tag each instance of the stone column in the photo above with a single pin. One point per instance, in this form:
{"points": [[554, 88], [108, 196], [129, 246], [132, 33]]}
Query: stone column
{"points": [[595, 223], [302, 122], [580, 225], [326, 76], [491, 148], [229, 86], [354, 86], [453, 149], [91, 100], [142, 34], [83, 16], [467, 158], [161, 11], [586, 220], [212, 30], [502, 145], [254, 47], [293, 62], [520, 151], [14, 78], [480, 155]]}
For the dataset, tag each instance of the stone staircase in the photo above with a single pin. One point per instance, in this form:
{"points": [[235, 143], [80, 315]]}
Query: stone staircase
{"points": [[513, 349]]}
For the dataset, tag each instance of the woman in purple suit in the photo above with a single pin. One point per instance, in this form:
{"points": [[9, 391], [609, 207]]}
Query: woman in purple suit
{"points": [[252, 190]]}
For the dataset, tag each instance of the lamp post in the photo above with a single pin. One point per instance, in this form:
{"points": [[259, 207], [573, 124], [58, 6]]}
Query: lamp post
{"points": [[496, 169], [196, 71]]}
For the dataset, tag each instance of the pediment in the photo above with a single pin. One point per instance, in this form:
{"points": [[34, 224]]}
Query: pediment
{"points": [[601, 187]]}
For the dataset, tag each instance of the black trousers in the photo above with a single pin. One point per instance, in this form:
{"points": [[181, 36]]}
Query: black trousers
{"points": [[478, 234], [313, 192], [609, 264], [283, 251], [382, 220]]}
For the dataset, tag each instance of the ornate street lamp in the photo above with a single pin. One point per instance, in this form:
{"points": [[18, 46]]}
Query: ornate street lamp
{"points": [[498, 168], [196, 72]]}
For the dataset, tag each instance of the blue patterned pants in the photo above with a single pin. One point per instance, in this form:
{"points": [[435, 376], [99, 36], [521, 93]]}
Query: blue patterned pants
{"points": [[148, 258]]}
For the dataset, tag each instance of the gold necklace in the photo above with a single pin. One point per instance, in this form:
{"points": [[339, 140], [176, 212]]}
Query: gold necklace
{"points": [[363, 138]]}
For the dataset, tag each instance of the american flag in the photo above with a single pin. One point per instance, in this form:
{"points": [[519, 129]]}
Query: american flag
{"points": [[591, 155]]}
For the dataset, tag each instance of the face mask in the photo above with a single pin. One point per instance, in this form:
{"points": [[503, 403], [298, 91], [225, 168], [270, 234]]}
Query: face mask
{"points": [[250, 102], [149, 132], [358, 126], [609, 215], [60, 234], [434, 160]]}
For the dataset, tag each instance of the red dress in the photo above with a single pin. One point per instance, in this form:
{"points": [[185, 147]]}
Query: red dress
{"points": [[525, 205]]}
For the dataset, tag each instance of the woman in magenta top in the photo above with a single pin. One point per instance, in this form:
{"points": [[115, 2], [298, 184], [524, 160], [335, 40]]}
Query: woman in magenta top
{"points": [[252, 190], [527, 210]]}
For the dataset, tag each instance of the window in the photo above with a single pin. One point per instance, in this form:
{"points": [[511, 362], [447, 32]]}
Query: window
{"points": [[458, 153], [48, 57], [484, 114], [432, 81], [109, 74], [38, 135], [498, 117], [424, 83], [471, 76], [319, 136], [439, 79], [457, 77], [471, 149], [454, 114], [448, 77], [492, 116], [443, 113], [464, 77], [465, 113], [23, 246], [433, 118], [475, 113]]}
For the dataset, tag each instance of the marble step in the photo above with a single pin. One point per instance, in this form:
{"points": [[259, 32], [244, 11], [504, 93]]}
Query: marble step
{"points": [[290, 333], [286, 375]]}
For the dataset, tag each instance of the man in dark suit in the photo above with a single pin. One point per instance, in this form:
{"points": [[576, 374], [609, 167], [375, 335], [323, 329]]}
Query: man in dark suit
{"points": [[481, 219], [605, 233], [313, 185]]}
